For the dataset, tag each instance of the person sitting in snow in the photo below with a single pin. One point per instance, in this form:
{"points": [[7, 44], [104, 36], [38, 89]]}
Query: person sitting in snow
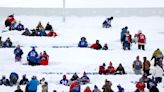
{"points": [[102, 69], [83, 42], [44, 58], [74, 77], [107, 86], [105, 47], [120, 69], [140, 86], [39, 26], [64, 81], [33, 58], [120, 89], [48, 27], [152, 85], [18, 53], [96, 45], [18, 89], [13, 78], [19, 27], [4, 81], [107, 23], [110, 69], [27, 32], [7, 43], [85, 79], [87, 89], [52, 33], [96, 89], [137, 66], [24, 80]]}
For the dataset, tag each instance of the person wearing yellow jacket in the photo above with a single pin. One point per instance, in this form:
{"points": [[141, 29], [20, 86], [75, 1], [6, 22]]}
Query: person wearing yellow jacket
{"points": [[157, 56]]}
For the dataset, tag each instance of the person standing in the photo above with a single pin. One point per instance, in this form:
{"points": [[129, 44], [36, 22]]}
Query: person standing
{"points": [[146, 66], [141, 40], [18, 53], [137, 66]]}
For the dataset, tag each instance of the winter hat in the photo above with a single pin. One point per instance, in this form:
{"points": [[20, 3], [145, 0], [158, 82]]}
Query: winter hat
{"points": [[95, 86], [139, 31], [104, 64]]}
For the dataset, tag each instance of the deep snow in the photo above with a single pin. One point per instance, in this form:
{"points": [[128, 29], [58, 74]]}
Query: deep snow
{"points": [[70, 60]]}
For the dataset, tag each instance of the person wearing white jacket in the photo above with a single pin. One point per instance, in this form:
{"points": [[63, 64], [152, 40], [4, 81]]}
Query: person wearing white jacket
{"points": [[157, 73]]}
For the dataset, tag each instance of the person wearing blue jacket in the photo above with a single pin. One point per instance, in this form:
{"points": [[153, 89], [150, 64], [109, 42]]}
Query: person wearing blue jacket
{"points": [[18, 53], [13, 78], [32, 85], [83, 42], [124, 30], [33, 58], [19, 27]]}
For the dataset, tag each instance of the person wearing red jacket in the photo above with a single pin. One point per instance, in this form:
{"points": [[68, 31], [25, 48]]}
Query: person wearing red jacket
{"points": [[44, 58], [52, 33], [75, 86], [87, 89], [140, 85], [96, 45], [102, 69], [110, 69], [141, 40]]}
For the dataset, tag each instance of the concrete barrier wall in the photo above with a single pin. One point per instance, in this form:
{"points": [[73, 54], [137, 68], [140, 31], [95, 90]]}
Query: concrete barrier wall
{"points": [[117, 12]]}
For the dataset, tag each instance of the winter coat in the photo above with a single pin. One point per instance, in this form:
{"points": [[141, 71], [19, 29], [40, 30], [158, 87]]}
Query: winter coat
{"points": [[18, 90], [32, 85], [74, 77], [107, 87], [154, 89], [19, 27], [44, 59], [157, 71], [124, 30], [4, 82], [140, 86], [39, 26], [26, 32], [64, 82], [156, 54], [33, 56], [96, 46], [146, 65], [24, 81], [110, 70], [120, 89], [75, 86], [45, 87], [52, 34], [101, 69], [141, 39], [83, 43], [18, 52], [87, 90], [120, 70], [48, 27], [14, 77], [105, 47], [137, 65], [127, 38], [41, 33], [7, 43], [96, 90], [151, 83], [85, 79]]}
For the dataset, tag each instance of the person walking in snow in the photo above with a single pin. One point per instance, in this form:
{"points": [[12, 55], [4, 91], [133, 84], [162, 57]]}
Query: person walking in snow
{"points": [[137, 66], [141, 40], [18, 53]]}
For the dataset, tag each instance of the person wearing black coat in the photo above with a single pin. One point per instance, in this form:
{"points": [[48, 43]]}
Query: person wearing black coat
{"points": [[7, 43], [120, 69], [18, 89], [48, 27], [24, 80]]}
